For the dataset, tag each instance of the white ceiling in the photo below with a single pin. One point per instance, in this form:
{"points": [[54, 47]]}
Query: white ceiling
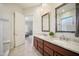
{"points": [[23, 5], [27, 5]]}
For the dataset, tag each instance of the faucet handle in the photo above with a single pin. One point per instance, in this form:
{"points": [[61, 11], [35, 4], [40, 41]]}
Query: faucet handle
{"points": [[60, 37]]}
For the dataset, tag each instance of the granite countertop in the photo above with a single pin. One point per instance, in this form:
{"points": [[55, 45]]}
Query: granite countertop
{"points": [[70, 45]]}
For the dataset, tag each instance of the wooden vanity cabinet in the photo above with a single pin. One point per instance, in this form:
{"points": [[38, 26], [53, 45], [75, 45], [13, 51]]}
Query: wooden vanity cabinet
{"points": [[38, 43], [59, 51], [48, 49]]}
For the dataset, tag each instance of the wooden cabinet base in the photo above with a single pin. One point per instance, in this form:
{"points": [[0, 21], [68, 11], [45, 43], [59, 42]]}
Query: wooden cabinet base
{"points": [[49, 49]]}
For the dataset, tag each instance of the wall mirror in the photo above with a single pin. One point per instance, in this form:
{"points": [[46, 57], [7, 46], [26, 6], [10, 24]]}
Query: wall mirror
{"points": [[46, 23], [65, 18]]}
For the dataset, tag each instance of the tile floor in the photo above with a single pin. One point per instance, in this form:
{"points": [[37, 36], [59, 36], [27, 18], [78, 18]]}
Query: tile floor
{"points": [[26, 49]]}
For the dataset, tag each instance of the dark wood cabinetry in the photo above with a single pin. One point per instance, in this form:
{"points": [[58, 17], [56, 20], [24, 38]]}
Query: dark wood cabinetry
{"points": [[38, 43], [49, 49]]}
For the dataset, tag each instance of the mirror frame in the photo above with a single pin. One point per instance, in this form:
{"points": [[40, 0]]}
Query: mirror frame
{"points": [[56, 19], [48, 22], [77, 20]]}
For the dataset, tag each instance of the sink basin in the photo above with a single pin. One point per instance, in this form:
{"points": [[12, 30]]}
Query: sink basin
{"points": [[61, 42], [67, 44], [42, 34]]}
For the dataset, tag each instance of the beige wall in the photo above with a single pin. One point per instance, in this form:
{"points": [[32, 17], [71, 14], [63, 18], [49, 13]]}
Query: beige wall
{"points": [[29, 11]]}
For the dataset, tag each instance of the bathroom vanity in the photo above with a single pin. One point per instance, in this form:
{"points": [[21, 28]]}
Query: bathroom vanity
{"points": [[67, 21], [55, 47]]}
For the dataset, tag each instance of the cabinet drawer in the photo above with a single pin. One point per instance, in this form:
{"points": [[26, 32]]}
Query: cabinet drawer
{"points": [[40, 41], [48, 44], [48, 50], [40, 45], [34, 37]]}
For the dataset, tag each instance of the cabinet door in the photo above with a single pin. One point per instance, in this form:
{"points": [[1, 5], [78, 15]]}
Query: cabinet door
{"points": [[35, 43], [40, 43], [40, 46], [48, 50], [40, 50]]}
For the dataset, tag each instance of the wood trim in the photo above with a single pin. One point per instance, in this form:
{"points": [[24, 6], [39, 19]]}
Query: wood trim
{"points": [[56, 20], [77, 20]]}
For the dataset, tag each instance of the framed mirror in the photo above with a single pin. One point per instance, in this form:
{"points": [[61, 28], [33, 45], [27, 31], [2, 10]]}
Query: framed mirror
{"points": [[46, 23], [66, 18]]}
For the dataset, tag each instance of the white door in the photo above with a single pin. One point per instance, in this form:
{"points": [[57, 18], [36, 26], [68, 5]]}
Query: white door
{"points": [[19, 29], [4, 37]]}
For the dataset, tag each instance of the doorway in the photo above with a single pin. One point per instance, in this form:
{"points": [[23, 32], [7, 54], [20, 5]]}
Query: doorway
{"points": [[29, 28]]}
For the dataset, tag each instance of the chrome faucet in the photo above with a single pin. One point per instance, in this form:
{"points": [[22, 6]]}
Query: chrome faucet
{"points": [[62, 37]]}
